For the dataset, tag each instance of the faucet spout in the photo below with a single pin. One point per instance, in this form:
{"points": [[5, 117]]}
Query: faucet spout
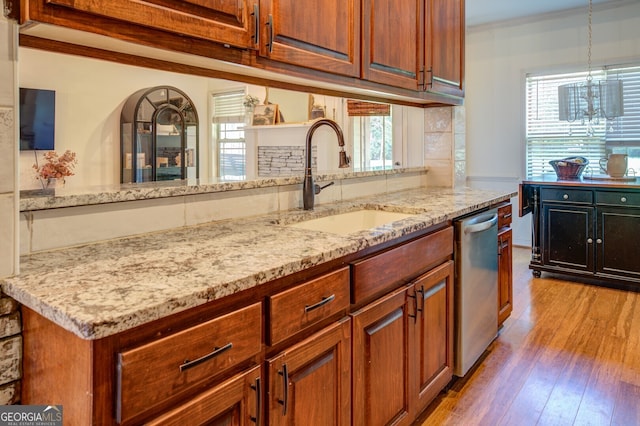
{"points": [[308, 188]]}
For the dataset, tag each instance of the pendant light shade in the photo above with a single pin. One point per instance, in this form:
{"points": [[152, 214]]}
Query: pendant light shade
{"points": [[590, 100]]}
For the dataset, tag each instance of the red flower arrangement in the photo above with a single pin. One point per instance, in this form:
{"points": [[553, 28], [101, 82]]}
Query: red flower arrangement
{"points": [[56, 166]]}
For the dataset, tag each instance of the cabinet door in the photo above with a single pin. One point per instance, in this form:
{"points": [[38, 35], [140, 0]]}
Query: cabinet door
{"points": [[312, 380], [235, 402], [227, 21], [567, 236], [617, 242], [431, 343], [444, 46], [505, 274], [323, 36], [380, 370], [393, 42]]}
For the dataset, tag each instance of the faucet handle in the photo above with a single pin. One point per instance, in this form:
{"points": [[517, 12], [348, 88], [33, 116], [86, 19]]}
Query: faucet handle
{"points": [[317, 188]]}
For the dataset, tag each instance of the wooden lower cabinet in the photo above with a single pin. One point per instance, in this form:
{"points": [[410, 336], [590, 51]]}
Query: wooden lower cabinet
{"points": [[310, 382], [380, 362], [431, 338], [505, 274], [403, 350], [235, 402]]}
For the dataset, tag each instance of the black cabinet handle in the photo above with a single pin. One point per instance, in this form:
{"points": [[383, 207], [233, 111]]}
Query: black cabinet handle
{"points": [[258, 390], [321, 303], [415, 307], [285, 388], [217, 351], [270, 42], [256, 24], [420, 291]]}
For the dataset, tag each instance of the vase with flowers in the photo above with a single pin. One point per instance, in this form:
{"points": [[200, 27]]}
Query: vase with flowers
{"points": [[249, 103], [55, 168]]}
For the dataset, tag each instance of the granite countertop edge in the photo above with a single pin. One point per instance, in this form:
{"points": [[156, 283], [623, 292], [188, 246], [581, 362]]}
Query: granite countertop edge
{"points": [[100, 289], [45, 199]]}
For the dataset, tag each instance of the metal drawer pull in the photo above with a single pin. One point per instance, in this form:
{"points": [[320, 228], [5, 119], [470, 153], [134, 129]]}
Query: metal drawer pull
{"points": [[599, 241], [323, 302], [623, 199], [216, 351], [507, 216], [258, 390], [589, 240], [285, 383], [565, 197]]}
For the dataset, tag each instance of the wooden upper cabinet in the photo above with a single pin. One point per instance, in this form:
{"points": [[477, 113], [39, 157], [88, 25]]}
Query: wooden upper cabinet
{"points": [[224, 21], [444, 46], [393, 42], [322, 36]]}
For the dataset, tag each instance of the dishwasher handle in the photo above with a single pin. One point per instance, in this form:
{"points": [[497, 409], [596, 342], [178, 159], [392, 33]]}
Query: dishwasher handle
{"points": [[481, 226]]}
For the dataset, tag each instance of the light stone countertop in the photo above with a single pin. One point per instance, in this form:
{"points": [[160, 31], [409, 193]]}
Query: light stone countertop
{"points": [[44, 199], [100, 289]]}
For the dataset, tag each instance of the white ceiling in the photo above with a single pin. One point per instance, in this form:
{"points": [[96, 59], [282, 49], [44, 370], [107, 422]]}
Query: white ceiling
{"points": [[480, 12]]}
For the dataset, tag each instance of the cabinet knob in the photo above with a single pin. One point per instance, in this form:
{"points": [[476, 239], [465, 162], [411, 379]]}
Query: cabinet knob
{"points": [[623, 199], [599, 241], [589, 240], [565, 197]]}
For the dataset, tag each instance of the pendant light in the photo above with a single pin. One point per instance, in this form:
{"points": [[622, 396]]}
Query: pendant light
{"points": [[590, 100]]}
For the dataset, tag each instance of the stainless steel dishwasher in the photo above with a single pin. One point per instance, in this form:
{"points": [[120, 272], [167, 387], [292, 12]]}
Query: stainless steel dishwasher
{"points": [[476, 288]]}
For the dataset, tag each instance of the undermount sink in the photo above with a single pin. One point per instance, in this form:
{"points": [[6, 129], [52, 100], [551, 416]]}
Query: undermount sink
{"points": [[348, 223]]}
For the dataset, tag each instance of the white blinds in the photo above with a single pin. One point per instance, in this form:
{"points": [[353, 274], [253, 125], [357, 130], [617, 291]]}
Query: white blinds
{"points": [[228, 107], [542, 150], [625, 130], [542, 106], [548, 138]]}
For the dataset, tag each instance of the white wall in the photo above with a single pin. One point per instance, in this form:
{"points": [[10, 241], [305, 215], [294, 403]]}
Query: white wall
{"points": [[89, 97], [497, 60]]}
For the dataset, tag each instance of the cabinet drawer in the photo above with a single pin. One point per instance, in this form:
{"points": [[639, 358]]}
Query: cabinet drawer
{"points": [[295, 309], [618, 198], [152, 373], [383, 272], [504, 215], [567, 195]]}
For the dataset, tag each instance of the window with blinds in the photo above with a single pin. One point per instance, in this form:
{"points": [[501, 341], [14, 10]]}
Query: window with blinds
{"points": [[548, 138], [625, 130], [228, 123]]}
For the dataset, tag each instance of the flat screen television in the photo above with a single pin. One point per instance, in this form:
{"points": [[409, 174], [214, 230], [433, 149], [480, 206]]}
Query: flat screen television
{"points": [[37, 119]]}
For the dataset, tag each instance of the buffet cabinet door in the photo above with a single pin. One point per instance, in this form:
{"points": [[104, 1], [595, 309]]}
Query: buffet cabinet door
{"points": [[617, 244], [568, 236]]}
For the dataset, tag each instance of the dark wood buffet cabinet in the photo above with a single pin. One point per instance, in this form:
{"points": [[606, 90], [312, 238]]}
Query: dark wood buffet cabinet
{"points": [[584, 228]]}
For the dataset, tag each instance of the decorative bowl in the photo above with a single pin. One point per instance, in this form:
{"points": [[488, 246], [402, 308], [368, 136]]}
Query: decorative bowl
{"points": [[570, 167]]}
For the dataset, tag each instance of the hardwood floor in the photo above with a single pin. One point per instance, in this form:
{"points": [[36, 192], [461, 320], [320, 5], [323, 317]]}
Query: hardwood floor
{"points": [[568, 355]]}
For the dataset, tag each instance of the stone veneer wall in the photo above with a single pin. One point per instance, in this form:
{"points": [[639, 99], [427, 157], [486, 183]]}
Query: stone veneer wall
{"points": [[10, 324], [283, 160], [10, 351]]}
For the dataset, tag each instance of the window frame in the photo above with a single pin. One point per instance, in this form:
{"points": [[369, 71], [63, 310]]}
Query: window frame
{"points": [[593, 140]]}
